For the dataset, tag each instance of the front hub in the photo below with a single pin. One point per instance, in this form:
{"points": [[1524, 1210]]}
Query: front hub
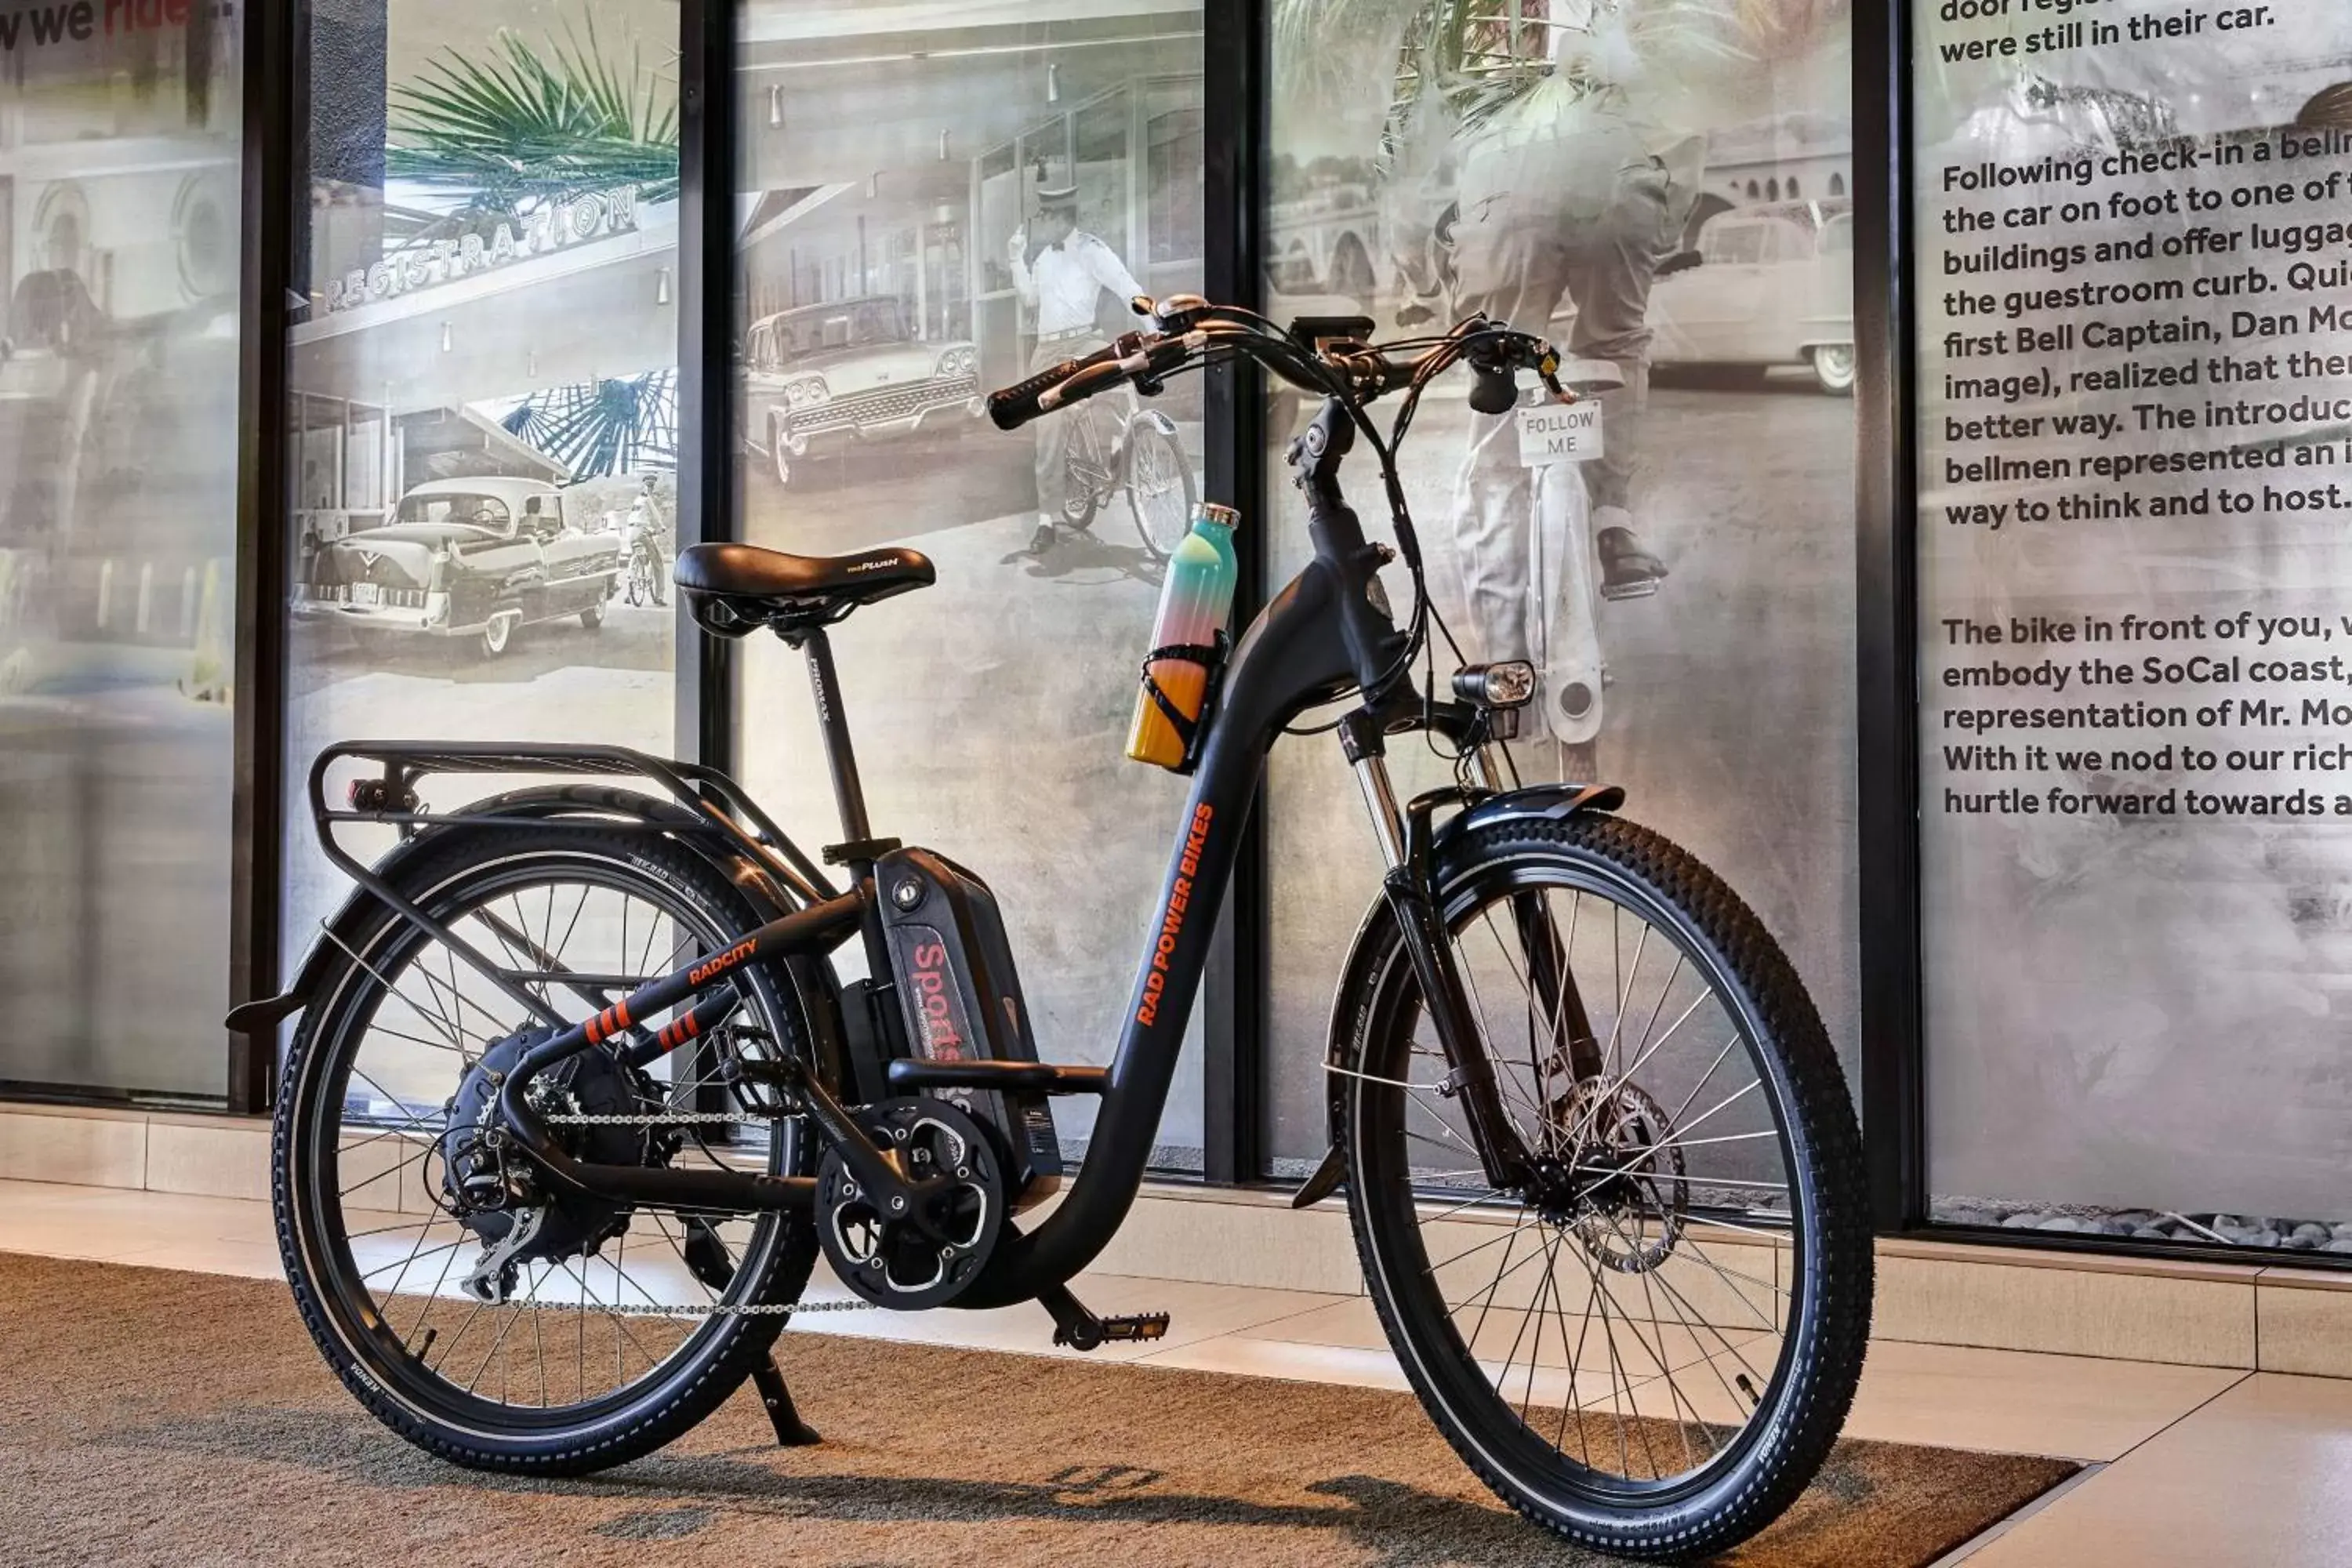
{"points": [[1622, 1186]]}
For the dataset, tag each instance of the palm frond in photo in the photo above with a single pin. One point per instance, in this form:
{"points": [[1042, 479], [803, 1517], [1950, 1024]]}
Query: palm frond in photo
{"points": [[530, 124], [600, 430]]}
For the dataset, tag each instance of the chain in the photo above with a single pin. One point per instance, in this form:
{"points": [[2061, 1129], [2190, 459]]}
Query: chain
{"points": [[712, 1309], [669, 1119], [721, 1309]]}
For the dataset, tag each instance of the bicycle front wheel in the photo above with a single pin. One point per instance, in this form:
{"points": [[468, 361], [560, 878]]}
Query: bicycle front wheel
{"points": [[1648, 1342]]}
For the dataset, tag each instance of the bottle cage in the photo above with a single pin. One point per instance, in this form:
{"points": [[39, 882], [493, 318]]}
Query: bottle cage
{"points": [[1209, 657]]}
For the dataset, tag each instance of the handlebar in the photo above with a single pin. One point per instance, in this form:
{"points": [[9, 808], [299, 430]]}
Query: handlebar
{"points": [[1326, 356], [1189, 330]]}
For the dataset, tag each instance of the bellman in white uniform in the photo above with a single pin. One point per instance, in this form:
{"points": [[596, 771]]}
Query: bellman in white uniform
{"points": [[1062, 283]]}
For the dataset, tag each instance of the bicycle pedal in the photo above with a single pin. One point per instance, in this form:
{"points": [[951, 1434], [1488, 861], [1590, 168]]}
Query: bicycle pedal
{"points": [[1132, 1326], [1644, 589]]}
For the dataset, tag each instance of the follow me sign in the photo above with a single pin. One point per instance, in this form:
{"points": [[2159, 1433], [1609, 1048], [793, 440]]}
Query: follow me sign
{"points": [[1560, 433]]}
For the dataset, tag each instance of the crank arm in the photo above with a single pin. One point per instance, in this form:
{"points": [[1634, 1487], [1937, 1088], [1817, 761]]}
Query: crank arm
{"points": [[877, 1169]]}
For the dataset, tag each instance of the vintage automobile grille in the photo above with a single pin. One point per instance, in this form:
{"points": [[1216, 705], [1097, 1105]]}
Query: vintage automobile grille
{"points": [[886, 404]]}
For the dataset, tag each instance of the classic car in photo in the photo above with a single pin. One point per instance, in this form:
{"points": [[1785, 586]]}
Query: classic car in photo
{"points": [[1767, 285], [822, 377], [465, 558]]}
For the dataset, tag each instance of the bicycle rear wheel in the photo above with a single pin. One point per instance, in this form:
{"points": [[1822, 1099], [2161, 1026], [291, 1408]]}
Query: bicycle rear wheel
{"points": [[1649, 1343], [608, 1329]]}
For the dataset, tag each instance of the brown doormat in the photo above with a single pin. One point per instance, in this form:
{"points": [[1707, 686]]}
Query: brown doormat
{"points": [[151, 1416]]}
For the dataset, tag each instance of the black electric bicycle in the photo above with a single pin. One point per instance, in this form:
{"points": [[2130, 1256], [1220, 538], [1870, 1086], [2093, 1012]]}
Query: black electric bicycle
{"points": [[579, 1097]]}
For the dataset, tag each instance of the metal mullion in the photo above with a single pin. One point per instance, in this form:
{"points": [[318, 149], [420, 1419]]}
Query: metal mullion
{"points": [[707, 673], [258, 710], [1886, 612], [1238, 1002], [706, 677]]}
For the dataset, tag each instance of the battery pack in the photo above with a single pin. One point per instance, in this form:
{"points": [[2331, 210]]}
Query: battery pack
{"points": [[961, 996]]}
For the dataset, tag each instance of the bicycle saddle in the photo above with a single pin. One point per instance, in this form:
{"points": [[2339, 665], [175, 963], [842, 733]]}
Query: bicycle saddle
{"points": [[734, 588]]}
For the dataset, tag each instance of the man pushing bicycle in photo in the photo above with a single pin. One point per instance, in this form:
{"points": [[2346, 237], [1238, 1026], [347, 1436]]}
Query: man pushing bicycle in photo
{"points": [[1580, 195], [1062, 282]]}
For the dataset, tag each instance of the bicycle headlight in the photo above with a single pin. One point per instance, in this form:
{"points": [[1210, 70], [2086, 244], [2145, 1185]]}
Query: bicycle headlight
{"points": [[1508, 684], [807, 390]]}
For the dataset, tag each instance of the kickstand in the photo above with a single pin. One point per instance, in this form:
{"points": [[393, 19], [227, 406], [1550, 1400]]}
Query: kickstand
{"points": [[791, 1432]]}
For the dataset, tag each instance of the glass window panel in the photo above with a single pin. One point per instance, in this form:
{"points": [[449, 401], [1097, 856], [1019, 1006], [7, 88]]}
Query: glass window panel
{"points": [[120, 262], [2133, 859], [1544, 185], [483, 390], [894, 175]]}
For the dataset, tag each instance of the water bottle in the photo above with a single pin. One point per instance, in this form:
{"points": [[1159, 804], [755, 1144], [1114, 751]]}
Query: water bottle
{"points": [[1195, 602]]}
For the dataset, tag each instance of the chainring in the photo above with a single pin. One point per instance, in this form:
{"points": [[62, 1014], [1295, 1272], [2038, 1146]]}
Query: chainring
{"points": [[904, 1260]]}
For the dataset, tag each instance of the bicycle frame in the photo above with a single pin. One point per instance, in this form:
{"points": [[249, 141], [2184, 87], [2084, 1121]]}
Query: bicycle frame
{"points": [[1325, 633]]}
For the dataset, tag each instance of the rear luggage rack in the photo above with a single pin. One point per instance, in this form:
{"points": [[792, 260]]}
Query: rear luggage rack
{"points": [[709, 802], [703, 803]]}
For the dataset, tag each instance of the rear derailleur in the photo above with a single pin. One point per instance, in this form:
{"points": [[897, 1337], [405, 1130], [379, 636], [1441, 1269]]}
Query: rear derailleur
{"points": [[496, 1194]]}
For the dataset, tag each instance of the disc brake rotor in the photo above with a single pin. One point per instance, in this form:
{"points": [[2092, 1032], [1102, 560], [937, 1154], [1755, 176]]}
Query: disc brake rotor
{"points": [[1632, 1195]]}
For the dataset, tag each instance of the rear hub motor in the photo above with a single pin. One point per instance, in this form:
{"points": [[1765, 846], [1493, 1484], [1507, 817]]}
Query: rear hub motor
{"points": [[490, 1185], [910, 1254]]}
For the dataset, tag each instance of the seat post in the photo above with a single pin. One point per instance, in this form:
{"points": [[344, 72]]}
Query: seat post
{"points": [[848, 793]]}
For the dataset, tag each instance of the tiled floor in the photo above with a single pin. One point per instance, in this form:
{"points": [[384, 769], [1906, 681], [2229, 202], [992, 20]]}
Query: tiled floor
{"points": [[2198, 1467]]}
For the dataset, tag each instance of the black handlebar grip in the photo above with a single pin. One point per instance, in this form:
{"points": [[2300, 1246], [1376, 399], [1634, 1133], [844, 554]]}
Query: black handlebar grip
{"points": [[1013, 406]]}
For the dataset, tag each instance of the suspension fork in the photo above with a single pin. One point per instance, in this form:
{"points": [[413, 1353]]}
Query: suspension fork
{"points": [[1570, 1043], [1410, 886]]}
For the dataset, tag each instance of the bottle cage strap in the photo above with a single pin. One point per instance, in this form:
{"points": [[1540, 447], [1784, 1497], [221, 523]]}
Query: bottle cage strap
{"points": [[1210, 657]]}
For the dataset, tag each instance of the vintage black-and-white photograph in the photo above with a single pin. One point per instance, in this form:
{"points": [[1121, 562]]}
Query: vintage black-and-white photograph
{"points": [[118, 332], [931, 211], [483, 404], [1665, 191]]}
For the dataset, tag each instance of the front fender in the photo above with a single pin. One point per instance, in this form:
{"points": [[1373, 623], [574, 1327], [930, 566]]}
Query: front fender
{"points": [[1367, 968], [1535, 803]]}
